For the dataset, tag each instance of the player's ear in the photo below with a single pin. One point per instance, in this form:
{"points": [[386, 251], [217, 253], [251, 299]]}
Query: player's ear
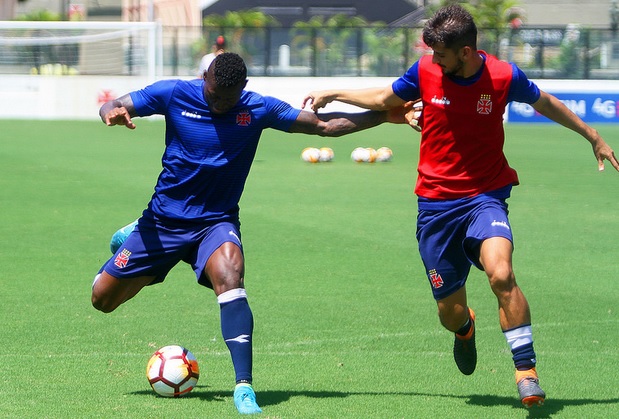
{"points": [[466, 53]]}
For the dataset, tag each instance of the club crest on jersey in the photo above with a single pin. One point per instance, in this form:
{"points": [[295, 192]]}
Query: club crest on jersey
{"points": [[484, 105], [243, 119], [435, 279], [122, 258]]}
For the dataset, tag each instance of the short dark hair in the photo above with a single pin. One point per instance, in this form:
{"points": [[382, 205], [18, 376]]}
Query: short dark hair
{"points": [[229, 69], [452, 26]]}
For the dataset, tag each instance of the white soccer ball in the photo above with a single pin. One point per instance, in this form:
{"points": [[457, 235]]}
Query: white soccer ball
{"points": [[360, 155], [326, 154], [384, 154], [172, 371], [311, 154]]}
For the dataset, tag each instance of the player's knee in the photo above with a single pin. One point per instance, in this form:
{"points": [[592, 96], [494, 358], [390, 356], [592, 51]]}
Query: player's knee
{"points": [[502, 279], [226, 268], [102, 304]]}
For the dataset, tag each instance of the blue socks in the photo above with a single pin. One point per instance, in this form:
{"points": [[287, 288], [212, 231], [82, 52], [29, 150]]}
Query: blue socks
{"points": [[520, 341], [237, 325]]}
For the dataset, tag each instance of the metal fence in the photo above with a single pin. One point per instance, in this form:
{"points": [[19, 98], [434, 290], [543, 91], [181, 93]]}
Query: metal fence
{"points": [[567, 52], [570, 52]]}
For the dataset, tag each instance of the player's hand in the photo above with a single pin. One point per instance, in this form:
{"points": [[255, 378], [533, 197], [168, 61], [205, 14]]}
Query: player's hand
{"points": [[603, 152], [401, 114], [119, 116], [318, 99], [413, 114]]}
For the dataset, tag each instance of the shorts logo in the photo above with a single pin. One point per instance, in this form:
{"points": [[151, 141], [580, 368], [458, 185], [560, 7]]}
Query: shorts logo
{"points": [[233, 234], [496, 223], [122, 258], [435, 279]]}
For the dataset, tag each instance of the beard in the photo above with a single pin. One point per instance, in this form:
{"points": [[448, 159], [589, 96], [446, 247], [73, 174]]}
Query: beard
{"points": [[454, 70]]}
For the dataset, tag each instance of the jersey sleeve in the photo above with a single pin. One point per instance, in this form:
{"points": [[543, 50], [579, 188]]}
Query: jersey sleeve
{"points": [[407, 86], [522, 89], [153, 99], [281, 114]]}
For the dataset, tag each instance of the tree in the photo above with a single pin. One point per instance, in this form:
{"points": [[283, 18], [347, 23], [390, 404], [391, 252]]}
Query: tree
{"points": [[234, 26], [324, 43]]}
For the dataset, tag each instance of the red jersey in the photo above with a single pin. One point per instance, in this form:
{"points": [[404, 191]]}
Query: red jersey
{"points": [[461, 151]]}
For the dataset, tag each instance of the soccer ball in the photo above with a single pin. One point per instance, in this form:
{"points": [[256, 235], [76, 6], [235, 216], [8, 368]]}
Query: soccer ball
{"points": [[371, 155], [363, 155], [360, 155], [384, 154], [326, 154], [172, 371], [311, 154]]}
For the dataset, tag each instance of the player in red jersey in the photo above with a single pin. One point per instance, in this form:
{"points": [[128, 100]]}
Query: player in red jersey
{"points": [[464, 178]]}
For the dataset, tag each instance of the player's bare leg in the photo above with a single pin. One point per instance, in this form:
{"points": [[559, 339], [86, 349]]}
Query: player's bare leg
{"points": [[514, 316], [109, 292], [496, 257]]}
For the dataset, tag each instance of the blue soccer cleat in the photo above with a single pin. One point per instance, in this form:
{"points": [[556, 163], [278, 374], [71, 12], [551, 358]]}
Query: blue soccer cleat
{"points": [[245, 400], [121, 235]]}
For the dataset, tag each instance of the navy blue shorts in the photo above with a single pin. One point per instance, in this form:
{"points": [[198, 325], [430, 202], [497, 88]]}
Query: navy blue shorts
{"points": [[155, 247], [450, 233]]}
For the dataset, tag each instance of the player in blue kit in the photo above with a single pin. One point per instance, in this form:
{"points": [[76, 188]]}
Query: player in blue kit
{"points": [[213, 127]]}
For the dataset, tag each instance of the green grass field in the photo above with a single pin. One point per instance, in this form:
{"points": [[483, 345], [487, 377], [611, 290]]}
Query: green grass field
{"points": [[345, 323]]}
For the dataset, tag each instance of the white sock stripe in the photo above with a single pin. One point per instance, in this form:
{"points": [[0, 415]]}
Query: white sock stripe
{"points": [[519, 336], [231, 295]]}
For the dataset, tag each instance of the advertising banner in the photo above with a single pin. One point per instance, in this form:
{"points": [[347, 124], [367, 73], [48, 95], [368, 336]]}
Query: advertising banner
{"points": [[590, 107]]}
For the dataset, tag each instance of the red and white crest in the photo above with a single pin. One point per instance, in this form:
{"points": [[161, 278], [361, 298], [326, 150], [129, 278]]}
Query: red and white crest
{"points": [[435, 279], [243, 119], [484, 105], [122, 258]]}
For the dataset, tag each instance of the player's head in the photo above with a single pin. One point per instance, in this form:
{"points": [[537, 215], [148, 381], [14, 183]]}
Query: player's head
{"points": [[220, 43], [225, 80], [452, 34], [451, 26]]}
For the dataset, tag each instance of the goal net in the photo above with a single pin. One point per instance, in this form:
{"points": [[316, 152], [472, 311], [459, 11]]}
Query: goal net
{"points": [[85, 48]]}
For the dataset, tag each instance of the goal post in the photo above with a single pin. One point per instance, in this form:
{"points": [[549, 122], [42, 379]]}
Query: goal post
{"points": [[84, 48]]}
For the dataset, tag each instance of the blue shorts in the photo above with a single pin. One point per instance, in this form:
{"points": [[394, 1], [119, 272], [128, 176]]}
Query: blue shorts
{"points": [[450, 232], [155, 247]]}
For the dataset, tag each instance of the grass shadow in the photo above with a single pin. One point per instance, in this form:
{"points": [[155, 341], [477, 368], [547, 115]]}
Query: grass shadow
{"points": [[275, 397]]}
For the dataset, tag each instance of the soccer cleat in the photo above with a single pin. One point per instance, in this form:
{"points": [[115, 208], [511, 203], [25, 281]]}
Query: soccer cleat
{"points": [[245, 400], [121, 235], [531, 394], [465, 353]]}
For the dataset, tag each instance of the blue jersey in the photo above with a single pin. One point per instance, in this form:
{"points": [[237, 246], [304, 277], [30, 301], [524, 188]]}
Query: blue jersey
{"points": [[207, 156], [521, 88]]}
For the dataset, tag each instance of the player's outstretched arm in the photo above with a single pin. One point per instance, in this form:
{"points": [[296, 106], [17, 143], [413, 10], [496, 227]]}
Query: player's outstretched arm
{"points": [[552, 108], [118, 112], [336, 124], [375, 98]]}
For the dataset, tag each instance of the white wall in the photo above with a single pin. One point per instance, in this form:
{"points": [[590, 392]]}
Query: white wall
{"points": [[79, 97]]}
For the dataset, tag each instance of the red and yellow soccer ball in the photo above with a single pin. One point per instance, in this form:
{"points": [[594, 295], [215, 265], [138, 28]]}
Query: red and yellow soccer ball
{"points": [[172, 371], [384, 154], [326, 154], [315, 155], [310, 154]]}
